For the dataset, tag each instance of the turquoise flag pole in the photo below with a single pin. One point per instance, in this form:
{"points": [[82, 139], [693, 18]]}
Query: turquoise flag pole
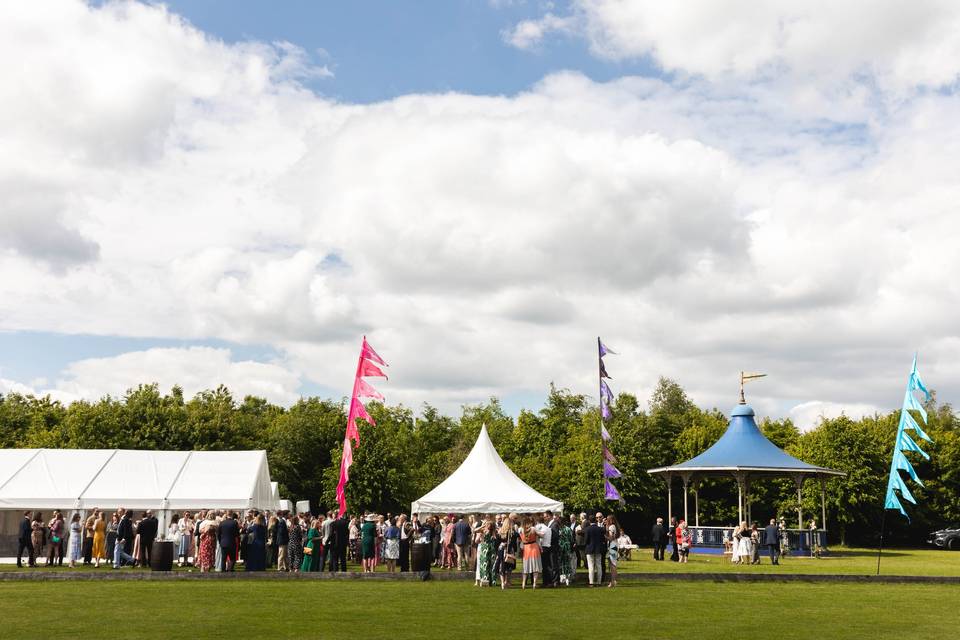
{"points": [[903, 443]]}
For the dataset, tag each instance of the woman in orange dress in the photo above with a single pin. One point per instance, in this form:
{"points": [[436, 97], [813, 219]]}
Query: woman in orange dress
{"points": [[99, 538], [531, 553]]}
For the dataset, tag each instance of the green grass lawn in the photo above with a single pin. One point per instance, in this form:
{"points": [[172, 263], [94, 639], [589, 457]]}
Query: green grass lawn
{"points": [[374, 609]]}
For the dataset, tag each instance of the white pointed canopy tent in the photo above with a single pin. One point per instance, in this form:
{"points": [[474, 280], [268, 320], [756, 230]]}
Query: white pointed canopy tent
{"points": [[483, 483]]}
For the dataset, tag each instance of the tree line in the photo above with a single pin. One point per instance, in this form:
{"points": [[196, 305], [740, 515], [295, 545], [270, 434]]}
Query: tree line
{"points": [[556, 450]]}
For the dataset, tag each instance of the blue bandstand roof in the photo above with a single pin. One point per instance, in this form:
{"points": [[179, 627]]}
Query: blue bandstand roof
{"points": [[743, 448]]}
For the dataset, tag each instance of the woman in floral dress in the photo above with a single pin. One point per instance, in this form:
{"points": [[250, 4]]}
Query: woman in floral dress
{"points": [[76, 532], [207, 546], [486, 552], [295, 546], [564, 547]]}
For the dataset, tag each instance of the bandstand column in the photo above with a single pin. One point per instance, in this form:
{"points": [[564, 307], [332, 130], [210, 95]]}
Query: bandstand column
{"points": [[696, 503], [686, 482], [823, 502], [669, 478], [798, 478], [740, 481]]}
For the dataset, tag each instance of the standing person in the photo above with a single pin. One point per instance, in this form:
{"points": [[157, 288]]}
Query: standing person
{"points": [[185, 527], [295, 544], [207, 543], [87, 537], [229, 535], [326, 537], [509, 546], [532, 564], [814, 540], [368, 542], [99, 551], [462, 534], [565, 545], [771, 539], [354, 530], [256, 558], [56, 539], [341, 540], [743, 543], [685, 539], [754, 544], [112, 535], [594, 541], [124, 541], [784, 538], [281, 540], [579, 528], [25, 541], [735, 545], [613, 550], [38, 536], [148, 533], [553, 551], [546, 542], [312, 556], [391, 545], [406, 533], [672, 540], [74, 551], [659, 536]]}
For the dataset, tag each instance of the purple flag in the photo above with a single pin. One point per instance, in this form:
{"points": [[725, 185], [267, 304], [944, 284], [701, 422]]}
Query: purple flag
{"points": [[605, 392], [603, 433], [609, 456], [610, 471], [603, 371], [604, 349], [611, 492], [605, 411]]}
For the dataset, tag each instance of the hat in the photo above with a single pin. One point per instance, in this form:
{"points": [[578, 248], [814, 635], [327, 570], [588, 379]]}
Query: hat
{"points": [[371, 518]]}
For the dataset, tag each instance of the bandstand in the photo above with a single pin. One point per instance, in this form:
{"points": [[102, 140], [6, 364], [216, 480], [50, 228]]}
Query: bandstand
{"points": [[746, 455]]}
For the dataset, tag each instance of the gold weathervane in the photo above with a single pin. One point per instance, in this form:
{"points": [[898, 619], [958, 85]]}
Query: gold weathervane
{"points": [[745, 377]]}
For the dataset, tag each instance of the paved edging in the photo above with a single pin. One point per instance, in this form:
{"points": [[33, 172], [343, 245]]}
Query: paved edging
{"points": [[109, 575]]}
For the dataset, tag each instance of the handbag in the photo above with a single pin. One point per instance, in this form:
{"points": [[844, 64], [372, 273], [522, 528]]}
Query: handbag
{"points": [[55, 539], [308, 551]]}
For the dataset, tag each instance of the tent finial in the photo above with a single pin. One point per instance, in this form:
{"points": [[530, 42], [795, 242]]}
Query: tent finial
{"points": [[744, 377]]}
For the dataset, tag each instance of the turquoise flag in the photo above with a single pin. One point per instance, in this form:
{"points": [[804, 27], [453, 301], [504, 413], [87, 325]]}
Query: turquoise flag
{"points": [[904, 442]]}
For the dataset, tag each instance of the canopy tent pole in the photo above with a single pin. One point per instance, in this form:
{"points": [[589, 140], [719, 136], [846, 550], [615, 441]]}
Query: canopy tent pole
{"points": [[669, 478], [823, 502], [686, 481]]}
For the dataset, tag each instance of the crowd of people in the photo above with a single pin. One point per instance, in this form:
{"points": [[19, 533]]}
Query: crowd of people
{"points": [[545, 549]]}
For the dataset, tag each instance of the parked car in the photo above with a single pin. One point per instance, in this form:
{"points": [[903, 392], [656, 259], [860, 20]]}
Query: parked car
{"points": [[946, 538]]}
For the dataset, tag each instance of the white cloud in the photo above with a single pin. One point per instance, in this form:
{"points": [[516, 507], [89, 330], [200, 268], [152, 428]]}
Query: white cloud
{"points": [[900, 44], [808, 415], [195, 369], [481, 242]]}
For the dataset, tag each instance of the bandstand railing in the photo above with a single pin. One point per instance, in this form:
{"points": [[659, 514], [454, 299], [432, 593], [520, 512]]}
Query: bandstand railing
{"points": [[796, 539]]}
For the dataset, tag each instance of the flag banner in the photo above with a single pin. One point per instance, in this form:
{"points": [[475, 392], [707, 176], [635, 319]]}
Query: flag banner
{"points": [[603, 371], [357, 411], [370, 370], [904, 443], [610, 492], [605, 393], [366, 390], [604, 349], [608, 455], [368, 353], [605, 411], [604, 433], [610, 471]]}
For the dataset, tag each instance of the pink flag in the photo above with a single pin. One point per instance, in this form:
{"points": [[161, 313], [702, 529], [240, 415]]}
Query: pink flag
{"points": [[370, 354], [365, 390], [345, 461], [367, 368], [360, 411]]}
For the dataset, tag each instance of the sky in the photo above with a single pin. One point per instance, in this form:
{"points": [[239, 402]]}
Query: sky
{"points": [[211, 192]]}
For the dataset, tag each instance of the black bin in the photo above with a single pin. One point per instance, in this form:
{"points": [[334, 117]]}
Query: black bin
{"points": [[422, 556], [161, 556]]}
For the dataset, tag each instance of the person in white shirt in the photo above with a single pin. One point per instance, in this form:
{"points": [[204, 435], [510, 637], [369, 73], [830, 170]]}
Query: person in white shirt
{"points": [[545, 533]]}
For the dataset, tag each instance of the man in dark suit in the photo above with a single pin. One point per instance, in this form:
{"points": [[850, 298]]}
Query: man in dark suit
{"points": [[553, 523], [124, 541], [341, 538], [771, 538], [24, 541], [148, 533], [462, 539], [229, 539], [595, 539], [659, 536], [282, 540]]}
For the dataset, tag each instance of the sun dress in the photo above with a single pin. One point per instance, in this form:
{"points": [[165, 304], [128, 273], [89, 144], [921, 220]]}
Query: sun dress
{"points": [[531, 553], [185, 527], [208, 547], [566, 567], [613, 551], [391, 544], [75, 535], [485, 556], [100, 539], [295, 546]]}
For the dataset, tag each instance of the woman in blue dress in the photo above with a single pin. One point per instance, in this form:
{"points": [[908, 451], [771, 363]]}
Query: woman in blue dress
{"points": [[256, 559]]}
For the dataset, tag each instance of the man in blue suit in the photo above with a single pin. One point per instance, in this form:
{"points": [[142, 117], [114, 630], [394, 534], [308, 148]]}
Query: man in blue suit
{"points": [[771, 538], [24, 541], [229, 540]]}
